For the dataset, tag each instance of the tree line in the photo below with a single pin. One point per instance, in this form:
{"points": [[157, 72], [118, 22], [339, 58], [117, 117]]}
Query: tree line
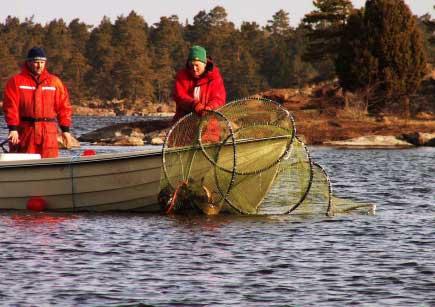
{"points": [[380, 50]]}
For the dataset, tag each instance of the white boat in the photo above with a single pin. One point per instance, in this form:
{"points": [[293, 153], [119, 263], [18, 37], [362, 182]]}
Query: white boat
{"points": [[103, 182]]}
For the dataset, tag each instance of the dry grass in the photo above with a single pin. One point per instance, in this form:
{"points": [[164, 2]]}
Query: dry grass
{"points": [[323, 128]]}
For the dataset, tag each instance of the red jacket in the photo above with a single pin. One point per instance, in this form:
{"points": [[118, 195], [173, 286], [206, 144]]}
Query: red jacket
{"points": [[211, 89], [32, 107]]}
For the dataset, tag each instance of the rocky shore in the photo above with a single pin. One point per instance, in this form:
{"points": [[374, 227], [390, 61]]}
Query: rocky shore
{"points": [[153, 132], [320, 112], [130, 134]]}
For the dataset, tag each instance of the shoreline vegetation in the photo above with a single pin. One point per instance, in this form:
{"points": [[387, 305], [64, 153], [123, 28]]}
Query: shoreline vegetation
{"points": [[320, 115], [344, 72]]}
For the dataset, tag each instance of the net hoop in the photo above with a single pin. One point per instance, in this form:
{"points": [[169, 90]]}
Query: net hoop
{"points": [[310, 182], [222, 143], [329, 211], [232, 171], [291, 132], [165, 147]]}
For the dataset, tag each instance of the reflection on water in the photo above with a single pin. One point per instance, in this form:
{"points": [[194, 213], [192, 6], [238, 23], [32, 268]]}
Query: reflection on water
{"points": [[125, 259]]}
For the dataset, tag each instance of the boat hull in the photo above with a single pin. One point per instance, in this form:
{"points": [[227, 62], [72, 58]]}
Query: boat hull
{"points": [[106, 182]]}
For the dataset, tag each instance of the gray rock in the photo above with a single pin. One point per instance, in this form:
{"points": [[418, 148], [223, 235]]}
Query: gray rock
{"points": [[157, 141], [419, 138], [128, 141], [128, 133], [371, 141]]}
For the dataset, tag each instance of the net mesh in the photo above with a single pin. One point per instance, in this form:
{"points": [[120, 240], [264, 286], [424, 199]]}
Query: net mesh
{"points": [[192, 150], [292, 182], [245, 158]]}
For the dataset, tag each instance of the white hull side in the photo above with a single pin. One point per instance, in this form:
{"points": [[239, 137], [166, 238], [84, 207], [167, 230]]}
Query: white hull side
{"points": [[107, 182]]}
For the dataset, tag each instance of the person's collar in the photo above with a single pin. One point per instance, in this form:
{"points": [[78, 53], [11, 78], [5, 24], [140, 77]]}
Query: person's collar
{"points": [[26, 70]]}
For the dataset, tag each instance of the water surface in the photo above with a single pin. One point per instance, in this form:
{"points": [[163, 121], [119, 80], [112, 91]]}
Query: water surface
{"points": [[90, 259]]}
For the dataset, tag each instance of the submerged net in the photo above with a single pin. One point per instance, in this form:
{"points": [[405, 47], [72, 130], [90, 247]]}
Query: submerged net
{"points": [[191, 174], [245, 158]]}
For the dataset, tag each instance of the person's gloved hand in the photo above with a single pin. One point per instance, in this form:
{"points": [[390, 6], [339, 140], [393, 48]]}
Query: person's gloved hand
{"points": [[67, 140], [199, 108]]}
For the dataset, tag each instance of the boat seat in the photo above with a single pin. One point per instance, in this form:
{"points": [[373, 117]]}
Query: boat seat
{"points": [[18, 156]]}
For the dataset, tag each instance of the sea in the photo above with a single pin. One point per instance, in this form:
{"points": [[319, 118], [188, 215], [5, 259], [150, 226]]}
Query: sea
{"points": [[135, 259]]}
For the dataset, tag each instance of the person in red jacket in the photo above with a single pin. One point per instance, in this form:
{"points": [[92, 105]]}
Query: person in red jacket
{"points": [[34, 103], [199, 86]]}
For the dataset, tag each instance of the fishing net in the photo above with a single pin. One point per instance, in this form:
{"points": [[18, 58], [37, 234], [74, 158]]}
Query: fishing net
{"points": [[292, 182], [318, 198], [198, 163], [244, 158]]}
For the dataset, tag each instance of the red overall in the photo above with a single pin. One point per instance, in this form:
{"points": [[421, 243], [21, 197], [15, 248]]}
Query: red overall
{"points": [[33, 108]]}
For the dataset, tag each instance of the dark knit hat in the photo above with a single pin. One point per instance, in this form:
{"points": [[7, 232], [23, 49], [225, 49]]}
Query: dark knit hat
{"points": [[36, 53], [197, 53]]}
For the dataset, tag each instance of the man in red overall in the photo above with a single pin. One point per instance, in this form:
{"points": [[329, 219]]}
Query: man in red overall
{"points": [[34, 103]]}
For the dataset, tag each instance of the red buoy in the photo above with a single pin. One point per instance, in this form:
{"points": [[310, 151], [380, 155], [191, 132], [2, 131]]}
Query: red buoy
{"points": [[89, 152], [36, 203]]}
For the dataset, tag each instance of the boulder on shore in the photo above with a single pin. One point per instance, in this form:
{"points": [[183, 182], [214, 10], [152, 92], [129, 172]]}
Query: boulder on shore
{"points": [[371, 141], [75, 142], [420, 139], [129, 134]]}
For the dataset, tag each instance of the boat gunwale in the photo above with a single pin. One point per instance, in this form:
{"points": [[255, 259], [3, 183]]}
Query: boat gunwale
{"points": [[105, 157]]}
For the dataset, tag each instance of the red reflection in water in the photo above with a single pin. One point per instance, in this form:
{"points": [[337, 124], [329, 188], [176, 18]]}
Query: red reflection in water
{"points": [[42, 219]]}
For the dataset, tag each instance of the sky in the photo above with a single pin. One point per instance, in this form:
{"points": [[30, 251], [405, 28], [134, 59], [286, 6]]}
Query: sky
{"points": [[92, 11]]}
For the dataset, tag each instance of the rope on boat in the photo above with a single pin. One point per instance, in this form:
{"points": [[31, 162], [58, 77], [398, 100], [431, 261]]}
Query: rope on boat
{"points": [[3, 147], [73, 185]]}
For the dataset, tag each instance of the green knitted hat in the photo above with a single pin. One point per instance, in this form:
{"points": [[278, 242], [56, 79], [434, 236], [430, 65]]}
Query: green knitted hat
{"points": [[197, 53]]}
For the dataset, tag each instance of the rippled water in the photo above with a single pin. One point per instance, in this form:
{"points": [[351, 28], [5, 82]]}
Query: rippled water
{"points": [[130, 259]]}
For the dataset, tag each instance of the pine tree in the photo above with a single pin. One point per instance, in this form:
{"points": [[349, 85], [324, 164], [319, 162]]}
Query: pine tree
{"points": [[132, 71], [217, 36], [254, 47], [101, 56], [32, 34], [77, 67], [12, 36], [8, 64], [356, 67], [303, 72], [169, 51], [325, 26], [427, 25], [198, 31], [387, 57], [58, 45], [279, 53], [244, 79], [396, 42]]}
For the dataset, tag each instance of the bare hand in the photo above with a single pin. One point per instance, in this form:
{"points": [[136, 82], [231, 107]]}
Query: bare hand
{"points": [[13, 137], [67, 140]]}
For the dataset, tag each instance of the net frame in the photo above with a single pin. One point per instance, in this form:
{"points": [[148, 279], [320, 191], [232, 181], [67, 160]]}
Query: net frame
{"points": [[165, 148], [317, 170], [198, 147], [309, 162], [281, 109], [283, 120], [233, 144], [329, 210]]}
